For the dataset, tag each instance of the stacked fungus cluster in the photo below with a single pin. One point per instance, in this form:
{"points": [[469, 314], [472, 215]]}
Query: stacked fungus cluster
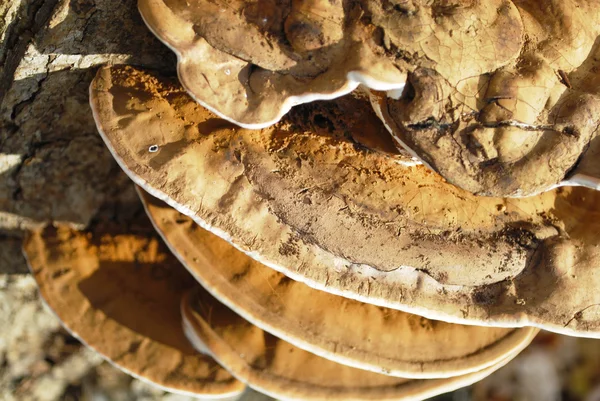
{"points": [[347, 199]]}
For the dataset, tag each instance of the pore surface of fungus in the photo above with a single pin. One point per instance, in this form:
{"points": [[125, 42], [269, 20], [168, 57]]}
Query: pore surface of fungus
{"points": [[346, 331], [119, 293], [355, 222], [284, 371], [251, 60]]}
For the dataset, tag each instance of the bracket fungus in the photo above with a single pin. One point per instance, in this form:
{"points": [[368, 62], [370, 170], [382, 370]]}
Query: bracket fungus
{"points": [[392, 242], [118, 291], [342, 330], [410, 241], [281, 370], [516, 130], [482, 92], [251, 61]]}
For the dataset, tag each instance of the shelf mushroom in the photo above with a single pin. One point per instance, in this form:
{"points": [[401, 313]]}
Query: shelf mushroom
{"points": [[303, 199], [349, 332], [522, 129], [499, 97], [118, 291], [250, 62], [283, 371], [411, 258]]}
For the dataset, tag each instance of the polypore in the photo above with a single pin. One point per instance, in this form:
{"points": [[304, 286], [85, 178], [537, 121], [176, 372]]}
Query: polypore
{"points": [[318, 245], [277, 368], [494, 102], [342, 330], [118, 291], [410, 241]]}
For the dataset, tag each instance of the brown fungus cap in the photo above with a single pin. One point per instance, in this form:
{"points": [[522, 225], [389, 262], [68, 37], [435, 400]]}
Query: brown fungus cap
{"points": [[119, 292], [281, 370], [520, 129], [342, 330], [308, 202], [250, 61]]}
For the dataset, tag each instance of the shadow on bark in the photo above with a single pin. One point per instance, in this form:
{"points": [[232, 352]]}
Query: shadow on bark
{"points": [[53, 164]]}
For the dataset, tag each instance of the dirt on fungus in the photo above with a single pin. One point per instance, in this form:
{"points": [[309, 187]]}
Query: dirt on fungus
{"points": [[325, 210], [495, 103], [311, 172]]}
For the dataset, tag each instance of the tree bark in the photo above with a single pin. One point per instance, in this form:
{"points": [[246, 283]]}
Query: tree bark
{"points": [[53, 165]]}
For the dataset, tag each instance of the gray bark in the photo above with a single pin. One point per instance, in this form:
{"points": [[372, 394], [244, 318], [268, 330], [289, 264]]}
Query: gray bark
{"points": [[53, 165]]}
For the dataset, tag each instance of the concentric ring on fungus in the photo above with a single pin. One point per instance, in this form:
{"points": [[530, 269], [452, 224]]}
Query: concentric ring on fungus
{"points": [[360, 223], [279, 369], [349, 332], [118, 291]]}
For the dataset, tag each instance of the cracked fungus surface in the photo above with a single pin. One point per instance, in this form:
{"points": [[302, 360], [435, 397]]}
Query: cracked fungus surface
{"points": [[521, 129], [252, 60], [304, 199], [501, 100]]}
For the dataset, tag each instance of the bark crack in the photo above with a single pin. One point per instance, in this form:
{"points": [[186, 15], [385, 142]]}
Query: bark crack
{"points": [[32, 17]]}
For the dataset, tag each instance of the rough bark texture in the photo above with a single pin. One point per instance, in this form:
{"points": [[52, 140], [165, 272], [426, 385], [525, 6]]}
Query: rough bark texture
{"points": [[53, 166]]}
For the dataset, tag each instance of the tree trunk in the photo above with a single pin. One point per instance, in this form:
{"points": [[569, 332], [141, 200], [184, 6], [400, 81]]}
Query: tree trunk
{"points": [[53, 164]]}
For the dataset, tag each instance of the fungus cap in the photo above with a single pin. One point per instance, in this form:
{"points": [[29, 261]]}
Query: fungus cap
{"points": [[251, 61], [362, 225], [484, 107], [281, 370], [342, 330], [119, 292], [521, 129]]}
